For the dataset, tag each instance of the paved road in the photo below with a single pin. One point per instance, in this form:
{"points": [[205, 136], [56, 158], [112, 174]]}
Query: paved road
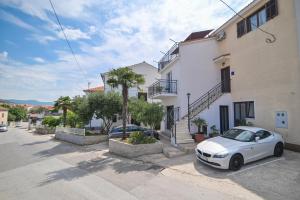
{"points": [[39, 167]]}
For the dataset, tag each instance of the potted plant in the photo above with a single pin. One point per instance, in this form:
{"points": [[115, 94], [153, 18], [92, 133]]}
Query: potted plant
{"points": [[199, 122], [214, 131], [159, 89]]}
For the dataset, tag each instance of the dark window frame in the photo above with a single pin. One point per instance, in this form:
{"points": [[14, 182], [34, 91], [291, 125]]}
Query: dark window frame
{"points": [[247, 108], [245, 26]]}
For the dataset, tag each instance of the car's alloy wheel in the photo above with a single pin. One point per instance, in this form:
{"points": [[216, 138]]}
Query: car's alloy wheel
{"points": [[278, 150], [236, 162]]}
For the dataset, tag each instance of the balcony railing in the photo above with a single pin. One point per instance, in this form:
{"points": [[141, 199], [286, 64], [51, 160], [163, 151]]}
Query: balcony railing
{"points": [[169, 56], [163, 86]]}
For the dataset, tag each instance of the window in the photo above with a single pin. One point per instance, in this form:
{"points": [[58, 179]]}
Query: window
{"points": [[2, 115], [142, 95], [243, 110], [262, 17], [262, 134], [241, 28], [271, 9], [258, 18], [252, 23], [114, 118]]}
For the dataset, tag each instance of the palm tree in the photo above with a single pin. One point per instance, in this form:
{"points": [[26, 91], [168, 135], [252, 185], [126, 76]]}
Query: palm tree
{"points": [[63, 103], [127, 79]]}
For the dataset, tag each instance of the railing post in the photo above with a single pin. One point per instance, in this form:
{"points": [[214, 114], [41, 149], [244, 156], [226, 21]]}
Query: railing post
{"points": [[208, 100], [189, 114]]}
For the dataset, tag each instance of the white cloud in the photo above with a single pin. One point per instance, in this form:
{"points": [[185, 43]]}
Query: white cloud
{"points": [[131, 32], [73, 34], [13, 19], [42, 39], [39, 59], [3, 55]]}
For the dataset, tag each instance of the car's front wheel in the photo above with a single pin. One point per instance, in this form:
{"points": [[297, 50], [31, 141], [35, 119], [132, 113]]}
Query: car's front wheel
{"points": [[236, 162], [278, 150]]}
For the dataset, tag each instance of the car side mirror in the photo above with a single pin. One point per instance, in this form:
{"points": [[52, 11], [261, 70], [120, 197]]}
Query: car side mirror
{"points": [[257, 138]]}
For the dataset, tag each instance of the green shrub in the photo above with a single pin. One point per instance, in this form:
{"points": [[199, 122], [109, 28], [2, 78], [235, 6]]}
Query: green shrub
{"points": [[140, 138], [51, 121]]}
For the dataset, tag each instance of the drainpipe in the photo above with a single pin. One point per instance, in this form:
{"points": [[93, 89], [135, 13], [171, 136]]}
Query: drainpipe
{"points": [[189, 117]]}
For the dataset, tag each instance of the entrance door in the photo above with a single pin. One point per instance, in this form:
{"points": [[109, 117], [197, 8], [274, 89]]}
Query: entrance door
{"points": [[224, 119], [225, 78], [170, 117]]}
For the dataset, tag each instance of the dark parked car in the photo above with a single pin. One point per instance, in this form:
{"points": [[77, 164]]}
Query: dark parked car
{"points": [[3, 128], [118, 131]]}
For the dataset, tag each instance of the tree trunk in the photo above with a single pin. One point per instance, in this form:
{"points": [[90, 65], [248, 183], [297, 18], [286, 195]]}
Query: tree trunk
{"points": [[64, 116], [125, 109]]}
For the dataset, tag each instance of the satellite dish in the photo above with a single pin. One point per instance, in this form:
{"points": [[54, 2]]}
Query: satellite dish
{"points": [[221, 35]]}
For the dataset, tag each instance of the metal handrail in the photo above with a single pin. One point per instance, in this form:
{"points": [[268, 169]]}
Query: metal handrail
{"points": [[205, 100], [168, 57], [163, 86]]}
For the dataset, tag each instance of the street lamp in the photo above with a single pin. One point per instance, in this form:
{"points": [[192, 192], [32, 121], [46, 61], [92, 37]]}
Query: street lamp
{"points": [[188, 98]]}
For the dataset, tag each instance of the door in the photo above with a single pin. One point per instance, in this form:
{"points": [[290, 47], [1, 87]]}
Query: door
{"points": [[169, 82], [170, 117], [224, 119], [225, 78]]}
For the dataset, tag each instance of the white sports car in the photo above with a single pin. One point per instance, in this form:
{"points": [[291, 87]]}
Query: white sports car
{"points": [[238, 146]]}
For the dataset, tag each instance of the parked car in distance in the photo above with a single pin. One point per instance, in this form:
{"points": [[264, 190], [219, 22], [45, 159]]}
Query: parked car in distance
{"points": [[238, 146], [3, 128], [117, 132]]}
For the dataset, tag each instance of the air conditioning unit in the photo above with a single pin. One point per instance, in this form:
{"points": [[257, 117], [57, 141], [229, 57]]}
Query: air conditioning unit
{"points": [[221, 35]]}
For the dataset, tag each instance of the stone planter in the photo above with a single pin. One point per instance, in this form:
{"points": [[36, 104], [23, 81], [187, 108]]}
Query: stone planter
{"points": [[44, 130], [80, 139], [130, 151]]}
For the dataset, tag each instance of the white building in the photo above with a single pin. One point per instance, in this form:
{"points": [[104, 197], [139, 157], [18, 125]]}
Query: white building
{"points": [[188, 67], [150, 74], [237, 74]]}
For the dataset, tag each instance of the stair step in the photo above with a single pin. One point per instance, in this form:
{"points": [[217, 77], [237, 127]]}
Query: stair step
{"points": [[188, 148], [185, 141]]}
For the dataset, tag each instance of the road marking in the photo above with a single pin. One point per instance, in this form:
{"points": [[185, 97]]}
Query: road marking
{"points": [[252, 167]]}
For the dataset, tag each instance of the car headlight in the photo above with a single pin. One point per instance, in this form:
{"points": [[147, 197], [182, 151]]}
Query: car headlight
{"points": [[221, 155]]}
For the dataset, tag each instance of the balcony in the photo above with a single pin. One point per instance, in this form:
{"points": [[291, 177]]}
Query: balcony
{"points": [[163, 88], [168, 57]]}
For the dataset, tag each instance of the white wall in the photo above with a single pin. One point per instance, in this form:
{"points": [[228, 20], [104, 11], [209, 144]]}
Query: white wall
{"points": [[150, 74], [212, 115], [196, 73]]}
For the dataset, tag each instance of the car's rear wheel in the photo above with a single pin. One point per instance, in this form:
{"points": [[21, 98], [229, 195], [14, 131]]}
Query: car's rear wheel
{"points": [[236, 162], [278, 150]]}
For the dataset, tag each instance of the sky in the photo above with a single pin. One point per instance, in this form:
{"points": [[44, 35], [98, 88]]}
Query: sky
{"points": [[36, 63]]}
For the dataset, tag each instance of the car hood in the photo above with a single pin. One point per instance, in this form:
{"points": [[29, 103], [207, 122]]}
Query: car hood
{"points": [[217, 145]]}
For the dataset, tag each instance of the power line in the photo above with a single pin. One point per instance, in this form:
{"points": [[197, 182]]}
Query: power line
{"points": [[268, 40], [68, 42]]}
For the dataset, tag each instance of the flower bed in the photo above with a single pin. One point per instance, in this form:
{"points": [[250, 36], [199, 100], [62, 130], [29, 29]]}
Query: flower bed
{"points": [[68, 135], [122, 148]]}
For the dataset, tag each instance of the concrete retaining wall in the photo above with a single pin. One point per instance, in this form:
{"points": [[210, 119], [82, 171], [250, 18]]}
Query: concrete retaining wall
{"points": [[130, 151], [79, 139], [44, 130]]}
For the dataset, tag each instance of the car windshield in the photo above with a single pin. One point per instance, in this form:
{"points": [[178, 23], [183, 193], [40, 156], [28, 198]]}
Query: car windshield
{"points": [[239, 134]]}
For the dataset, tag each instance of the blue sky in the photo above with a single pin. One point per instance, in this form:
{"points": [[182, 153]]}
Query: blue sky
{"points": [[35, 62]]}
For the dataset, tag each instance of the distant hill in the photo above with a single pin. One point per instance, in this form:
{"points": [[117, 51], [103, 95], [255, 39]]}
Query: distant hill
{"points": [[31, 102]]}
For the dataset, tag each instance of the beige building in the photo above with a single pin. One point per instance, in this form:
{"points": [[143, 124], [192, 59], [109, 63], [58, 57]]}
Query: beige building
{"points": [[254, 76], [264, 70], [3, 116]]}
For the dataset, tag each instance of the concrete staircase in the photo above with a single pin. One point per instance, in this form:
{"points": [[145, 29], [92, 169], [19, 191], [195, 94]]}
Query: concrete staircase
{"points": [[182, 132]]}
